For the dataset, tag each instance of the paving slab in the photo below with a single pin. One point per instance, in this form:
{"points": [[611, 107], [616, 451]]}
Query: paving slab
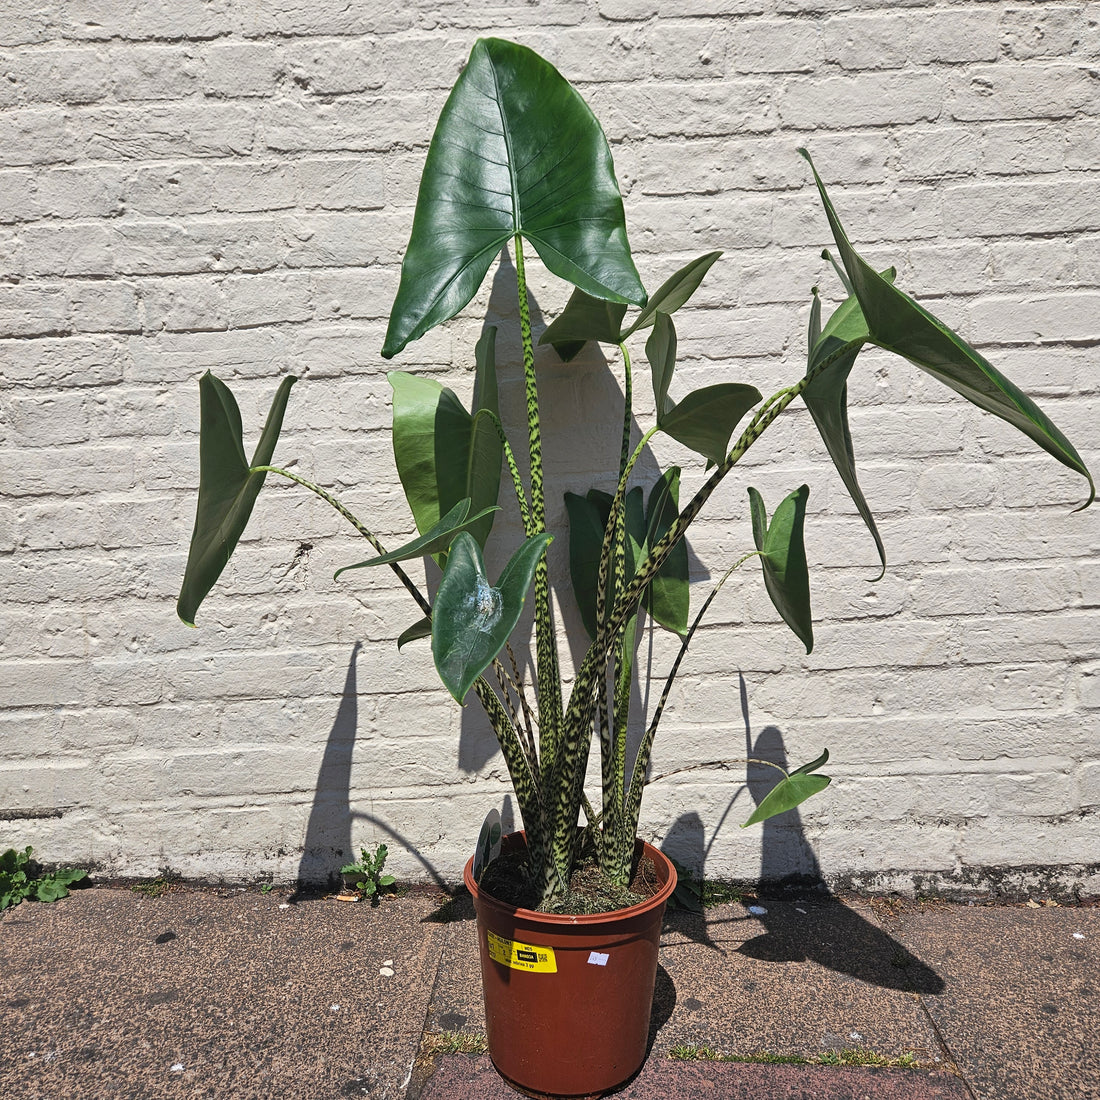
{"points": [[809, 977], [472, 1077], [1020, 1007], [206, 993]]}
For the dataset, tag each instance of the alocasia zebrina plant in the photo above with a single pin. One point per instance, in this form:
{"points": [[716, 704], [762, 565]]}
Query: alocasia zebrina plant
{"points": [[519, 161]]}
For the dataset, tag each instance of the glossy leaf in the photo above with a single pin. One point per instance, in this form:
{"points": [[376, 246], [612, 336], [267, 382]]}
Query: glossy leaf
{"points": [[791, 791], [827, 397], [444, 454], [587, 522], [472, 619], [422, 628], [439, 538], [668, 597], [516, 151], [660, 350], [486, 448], [673, 292], [227, 486], [783, 554], [584, 318], [897, 323], [705, 419]]}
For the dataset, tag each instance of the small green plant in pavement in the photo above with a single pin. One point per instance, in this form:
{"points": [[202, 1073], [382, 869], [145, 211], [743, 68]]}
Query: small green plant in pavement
{"points": [[368, 871], [22, 878]]}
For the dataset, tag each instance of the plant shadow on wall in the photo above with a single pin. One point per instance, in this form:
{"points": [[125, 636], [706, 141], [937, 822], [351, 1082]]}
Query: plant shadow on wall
{"points": [[328, 839], [802, 919]]}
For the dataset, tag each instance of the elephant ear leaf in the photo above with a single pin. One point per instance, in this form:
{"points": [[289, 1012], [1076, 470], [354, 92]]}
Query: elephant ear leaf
{"points": [[783, 554], [228, 485], [471, 618], [897, 323], [516, 151], [791, 791]]}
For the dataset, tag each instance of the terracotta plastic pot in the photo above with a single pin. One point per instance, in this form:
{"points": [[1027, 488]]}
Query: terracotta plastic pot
{"points": [[568, 998]]}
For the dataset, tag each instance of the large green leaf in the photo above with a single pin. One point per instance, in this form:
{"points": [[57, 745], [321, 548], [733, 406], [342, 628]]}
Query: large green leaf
{"points": [[791, 791], [439, 538], [705, 419], [898, 324], [444, 454], [486, 448], [227, 486], [826, 396], [471, 618], [516, 151], [587, 522], [783, 555]]}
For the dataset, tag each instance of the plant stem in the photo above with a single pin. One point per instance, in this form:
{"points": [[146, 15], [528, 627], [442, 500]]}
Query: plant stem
{"points": [[547, 675]]}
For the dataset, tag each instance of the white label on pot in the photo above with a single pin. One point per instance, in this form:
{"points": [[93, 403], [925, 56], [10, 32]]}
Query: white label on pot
{"points": [[521, 956], [597, 958]]}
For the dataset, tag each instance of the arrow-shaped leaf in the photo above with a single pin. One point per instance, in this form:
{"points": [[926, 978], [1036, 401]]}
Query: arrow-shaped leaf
{"points": [[516, 151], [472, 619], [584, 318], [705, 419], [660, 350], [440, 537], [791, 791], [783, 554], [227, 486], [673, 292], [668, 596], [826, 396], [422, 628], [898, 324]]}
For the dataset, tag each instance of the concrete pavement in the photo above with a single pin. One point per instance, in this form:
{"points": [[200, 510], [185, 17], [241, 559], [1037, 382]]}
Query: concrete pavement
{"points": [[224, 992]]}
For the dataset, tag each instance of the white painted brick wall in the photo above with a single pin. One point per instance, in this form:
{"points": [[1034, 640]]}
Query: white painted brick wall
{"points": [[228, 185]]}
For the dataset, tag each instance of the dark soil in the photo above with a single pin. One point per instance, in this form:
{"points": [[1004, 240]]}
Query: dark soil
{"points": [[507, 880]]}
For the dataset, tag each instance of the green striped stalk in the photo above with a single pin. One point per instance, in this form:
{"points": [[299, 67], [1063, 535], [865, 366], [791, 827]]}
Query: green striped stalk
{"points": [[547, 674]]}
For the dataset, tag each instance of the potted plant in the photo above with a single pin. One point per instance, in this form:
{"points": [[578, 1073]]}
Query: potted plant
{"points": [[519, 161]]}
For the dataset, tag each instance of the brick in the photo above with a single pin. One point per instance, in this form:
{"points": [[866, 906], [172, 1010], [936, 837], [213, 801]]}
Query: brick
{"points": [[954, 37], [238, 69], [1001, 92], [153, 72], [35, 136], [1048, 317], [71, 76], [340, 184], [991, 210], [167, 130], [1019, 148], [80, 248], [868, 99], [1044, 31], [866, 42]]}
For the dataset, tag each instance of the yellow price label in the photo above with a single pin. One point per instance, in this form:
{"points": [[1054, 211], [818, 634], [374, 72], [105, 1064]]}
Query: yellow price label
{"points": [[522, 956]]}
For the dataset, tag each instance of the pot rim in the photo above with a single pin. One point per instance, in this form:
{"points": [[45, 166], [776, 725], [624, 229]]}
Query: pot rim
{"points": [[571, 919]]}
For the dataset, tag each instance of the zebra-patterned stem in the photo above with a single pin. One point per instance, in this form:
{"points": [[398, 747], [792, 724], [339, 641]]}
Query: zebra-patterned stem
{"points": [[517, 480], [578, 715], [524, 779], [328, 498], [547, 672], [527, 730]]}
